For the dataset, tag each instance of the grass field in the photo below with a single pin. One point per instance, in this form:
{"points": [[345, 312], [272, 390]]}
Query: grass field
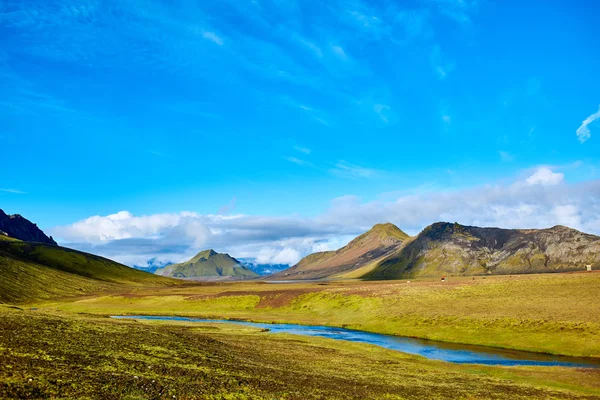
{"points": [[52, 346], [552, 313], [49, 355], [37, 271]]}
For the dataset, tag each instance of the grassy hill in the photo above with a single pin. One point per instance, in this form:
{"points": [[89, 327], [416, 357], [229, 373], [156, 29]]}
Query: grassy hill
{"points": [[351, 261], [37, 271], [453, 249], [208, 263]]}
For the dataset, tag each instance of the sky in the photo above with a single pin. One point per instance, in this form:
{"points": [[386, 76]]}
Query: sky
{"points": [[270, 129]]}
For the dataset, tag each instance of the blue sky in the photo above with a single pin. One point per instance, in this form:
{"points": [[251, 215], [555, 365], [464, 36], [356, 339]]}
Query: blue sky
{"points": [[272, 129]]}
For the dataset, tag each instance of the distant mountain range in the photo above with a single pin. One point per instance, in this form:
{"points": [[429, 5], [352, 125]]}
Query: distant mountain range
{"points": [[152, 265], [385, 252], [32, 262], [263, 269], [208, 263]]}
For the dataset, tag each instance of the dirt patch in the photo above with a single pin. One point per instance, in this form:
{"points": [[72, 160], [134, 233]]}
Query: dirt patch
{"points": [[268, 298], [282, 298]]}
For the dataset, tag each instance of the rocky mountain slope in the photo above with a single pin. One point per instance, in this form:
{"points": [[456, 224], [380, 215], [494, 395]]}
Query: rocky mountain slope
{"points": [[15, 226], [453, 249], [351, 261], [208, 263]]}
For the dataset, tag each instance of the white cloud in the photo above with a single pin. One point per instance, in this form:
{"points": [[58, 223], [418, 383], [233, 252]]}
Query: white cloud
{"points": [[124, 225], [213, 37], [540, 199], [583, 132], [175, 237], [545, 176], [568, 215]]}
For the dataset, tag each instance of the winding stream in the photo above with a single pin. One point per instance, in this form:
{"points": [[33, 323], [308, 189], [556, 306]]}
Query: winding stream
{"points": [[450, 352]]}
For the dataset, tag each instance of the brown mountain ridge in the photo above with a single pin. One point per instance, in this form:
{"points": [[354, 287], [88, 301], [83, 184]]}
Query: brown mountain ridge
{"points": [[352, 260], [443, 248]]}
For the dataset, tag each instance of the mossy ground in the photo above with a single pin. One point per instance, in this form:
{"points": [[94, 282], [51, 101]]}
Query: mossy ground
{"points": [[55, 355], [68, 348], [37, 271], [552, 313]]}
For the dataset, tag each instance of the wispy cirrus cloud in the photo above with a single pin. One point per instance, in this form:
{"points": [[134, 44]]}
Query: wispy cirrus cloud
{"points": [[440, 67], [13, 191], [298, 161], [301, 149], [583, 132], [460, 11], [271, 48], [213, 37], [348, 170]]}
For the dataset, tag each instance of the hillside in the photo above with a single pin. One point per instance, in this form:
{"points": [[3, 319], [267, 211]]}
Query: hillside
{"points": [[36, 271], [453, 249], [351, 261], [17, 227], [208, 263]]}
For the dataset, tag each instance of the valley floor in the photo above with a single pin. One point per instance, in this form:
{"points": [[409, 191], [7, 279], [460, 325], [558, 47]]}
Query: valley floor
{"points": [[54, 355], [70, 349], [549, 313]]}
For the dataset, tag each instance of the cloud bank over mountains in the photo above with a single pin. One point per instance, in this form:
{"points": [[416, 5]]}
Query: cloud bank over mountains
{"points": [[540, 198]]}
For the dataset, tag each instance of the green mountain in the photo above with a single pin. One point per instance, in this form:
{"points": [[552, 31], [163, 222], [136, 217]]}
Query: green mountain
{"points": [[33, 271], [453, 249], [351, 261], [208, 263]]}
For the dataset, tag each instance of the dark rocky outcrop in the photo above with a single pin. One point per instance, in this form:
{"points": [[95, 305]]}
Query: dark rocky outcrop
{"points": [[452, 249], [17, 227]]}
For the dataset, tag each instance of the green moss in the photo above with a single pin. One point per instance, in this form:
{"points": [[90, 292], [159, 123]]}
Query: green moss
{"points": [[70, 356], [555, 313], [36, 271]]}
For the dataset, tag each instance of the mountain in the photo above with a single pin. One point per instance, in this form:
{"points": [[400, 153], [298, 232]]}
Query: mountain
{"points": [[152, 265], [263, 269], [351, 261], [15, 226], [453, 249], [33, 271], [208, 263]]}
